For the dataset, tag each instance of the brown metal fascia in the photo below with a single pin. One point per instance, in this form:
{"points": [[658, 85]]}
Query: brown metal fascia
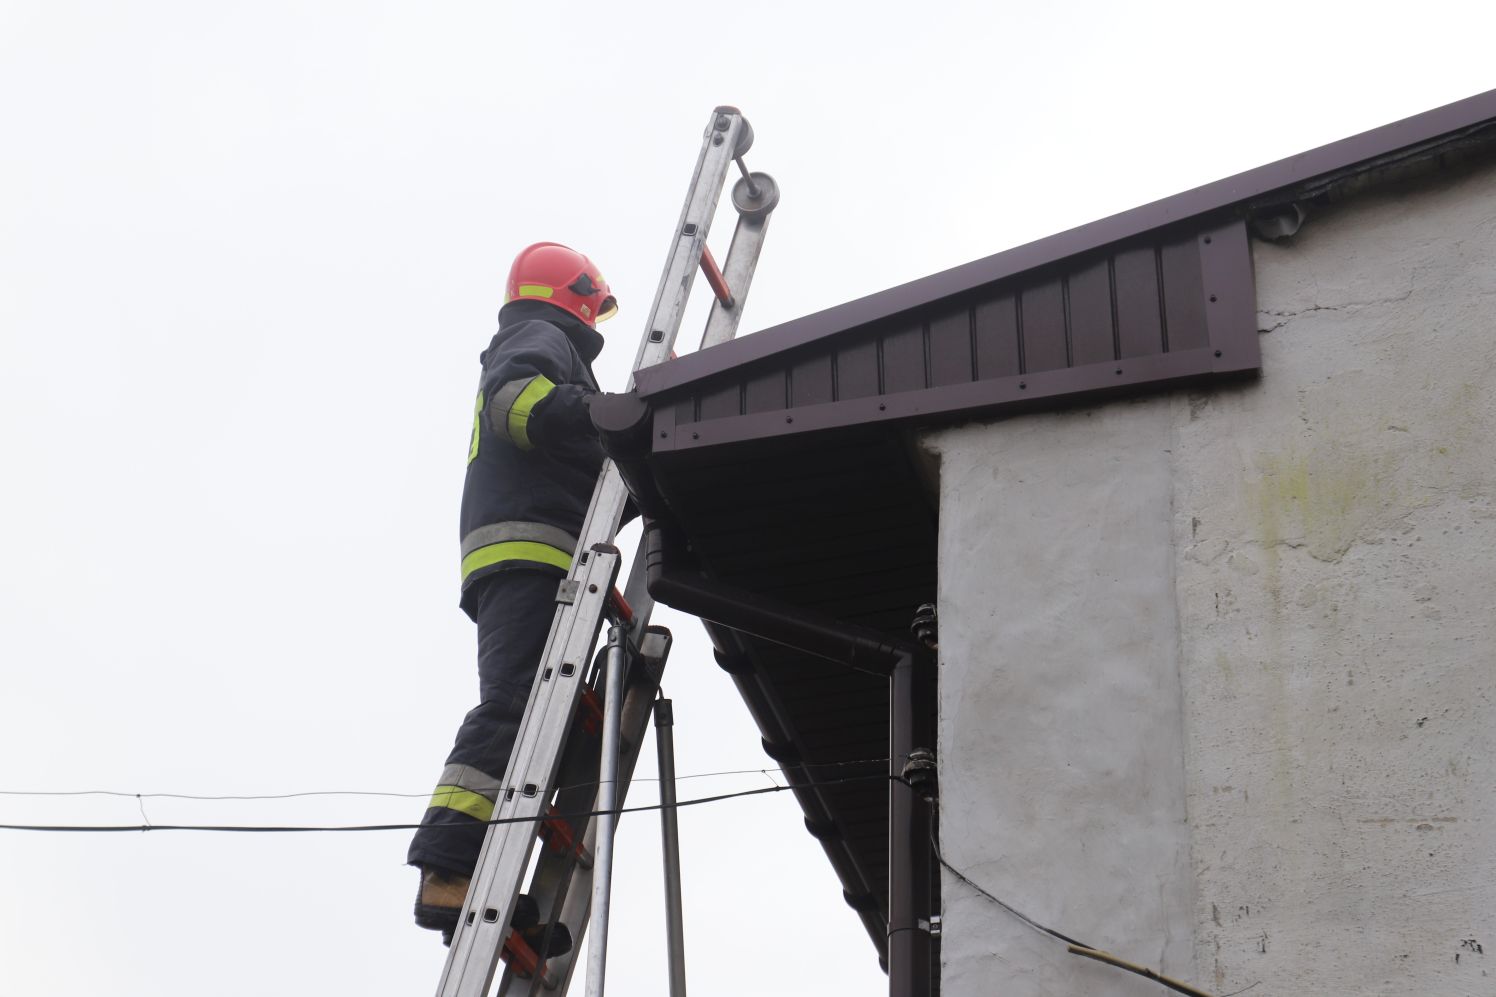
{"points": [[1231, 348], [1012, 395], [1211, 198]]}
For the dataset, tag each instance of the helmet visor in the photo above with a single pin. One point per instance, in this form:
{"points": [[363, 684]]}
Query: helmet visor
{"points": [[607, 309]]}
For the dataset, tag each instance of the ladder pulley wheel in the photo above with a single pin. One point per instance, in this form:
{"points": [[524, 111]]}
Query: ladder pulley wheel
{"points": [[763, 199], [745, 140]]}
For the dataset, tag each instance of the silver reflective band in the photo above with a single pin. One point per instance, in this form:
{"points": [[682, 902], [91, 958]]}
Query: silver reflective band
{"points": [[503, 400], [541, 533], [471, 779]]}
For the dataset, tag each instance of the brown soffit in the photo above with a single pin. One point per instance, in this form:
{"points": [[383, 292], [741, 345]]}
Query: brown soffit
{"points": [[1180, 208]]}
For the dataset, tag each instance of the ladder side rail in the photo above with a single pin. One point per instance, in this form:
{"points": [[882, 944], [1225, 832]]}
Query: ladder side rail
{"points": [[723, 134], [737, 269], [719, 147], [722, 325], [636, 594], [575, 897], [475, 949], [563, 623]]}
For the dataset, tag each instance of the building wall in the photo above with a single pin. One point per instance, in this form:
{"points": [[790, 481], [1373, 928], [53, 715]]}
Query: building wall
{"points": [[1218, 671]]}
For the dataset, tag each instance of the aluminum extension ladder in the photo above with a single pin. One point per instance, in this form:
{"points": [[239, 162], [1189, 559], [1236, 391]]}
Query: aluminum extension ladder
{"points": [[557, 771]]}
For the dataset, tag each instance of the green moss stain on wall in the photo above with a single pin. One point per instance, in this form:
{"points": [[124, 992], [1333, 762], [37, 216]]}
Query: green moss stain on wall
{"points": [[1325, 501]]}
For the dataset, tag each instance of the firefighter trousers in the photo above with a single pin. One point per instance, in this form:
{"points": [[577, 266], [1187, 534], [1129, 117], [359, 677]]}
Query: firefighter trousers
{"points": [[513, 610]]}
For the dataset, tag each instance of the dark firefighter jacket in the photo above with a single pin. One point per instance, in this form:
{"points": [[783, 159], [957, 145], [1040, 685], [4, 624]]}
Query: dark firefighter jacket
{"points": [[534, 456]]}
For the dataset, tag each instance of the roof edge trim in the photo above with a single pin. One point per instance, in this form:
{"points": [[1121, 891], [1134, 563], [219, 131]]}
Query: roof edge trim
{"points": [[1191, 204]]}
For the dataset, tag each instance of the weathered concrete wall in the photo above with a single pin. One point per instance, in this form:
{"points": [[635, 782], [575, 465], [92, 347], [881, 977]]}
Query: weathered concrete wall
{"points": [[1061, 743], [1311, 559]]}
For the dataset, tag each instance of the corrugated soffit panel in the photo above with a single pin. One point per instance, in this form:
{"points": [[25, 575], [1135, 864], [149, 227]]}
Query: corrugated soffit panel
{"points": [[1132, 317]]}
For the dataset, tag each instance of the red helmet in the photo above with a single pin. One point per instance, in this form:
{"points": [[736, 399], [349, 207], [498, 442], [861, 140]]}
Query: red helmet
{"points": [[550, 272]]}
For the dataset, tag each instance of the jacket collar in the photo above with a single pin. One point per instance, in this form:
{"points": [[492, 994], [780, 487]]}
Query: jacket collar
{"points": [[588, 341]]}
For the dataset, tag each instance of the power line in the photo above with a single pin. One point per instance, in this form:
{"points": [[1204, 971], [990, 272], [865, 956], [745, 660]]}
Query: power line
{"points": [[293, 829], [228, 797], [1071, 945]]}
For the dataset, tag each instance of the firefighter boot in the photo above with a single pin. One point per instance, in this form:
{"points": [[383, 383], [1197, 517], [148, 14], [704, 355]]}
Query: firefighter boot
{"points": [[440, 901]]}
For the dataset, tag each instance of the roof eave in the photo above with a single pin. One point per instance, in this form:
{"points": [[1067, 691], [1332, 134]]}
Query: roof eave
{"points": [[1220, 196]]}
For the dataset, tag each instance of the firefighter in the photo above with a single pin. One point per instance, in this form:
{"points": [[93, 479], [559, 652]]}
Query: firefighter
{"points": [[532, 461]]}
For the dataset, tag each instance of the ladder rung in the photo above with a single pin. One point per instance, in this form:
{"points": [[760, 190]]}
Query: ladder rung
{"points": [[590, 713], [714, 278], [525, 961], [558, 834], [619, 608]]}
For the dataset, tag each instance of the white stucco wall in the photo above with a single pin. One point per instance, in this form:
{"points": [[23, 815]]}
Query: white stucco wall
{"points": [[1218, 670]]}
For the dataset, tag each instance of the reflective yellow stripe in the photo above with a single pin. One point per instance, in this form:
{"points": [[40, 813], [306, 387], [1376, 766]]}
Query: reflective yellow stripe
{"points": [[536, 291], [473, 446], [459, 799], [519, 412], [515, 550]]}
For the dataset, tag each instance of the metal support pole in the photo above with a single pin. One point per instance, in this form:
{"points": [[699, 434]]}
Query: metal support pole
{"points": [[670, 840], [607, 804]]}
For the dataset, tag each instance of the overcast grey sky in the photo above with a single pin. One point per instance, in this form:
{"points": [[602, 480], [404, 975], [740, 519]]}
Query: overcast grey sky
{"points": [[248, 256]]}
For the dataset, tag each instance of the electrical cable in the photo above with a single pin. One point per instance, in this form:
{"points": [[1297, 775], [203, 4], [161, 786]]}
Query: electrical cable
{"points": [[291, 829], [1071, 945], [391, 794]]}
